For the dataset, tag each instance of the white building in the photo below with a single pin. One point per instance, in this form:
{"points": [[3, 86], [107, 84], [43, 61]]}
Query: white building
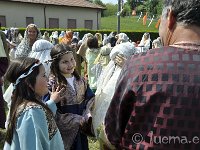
{"points": [[50, 13]]}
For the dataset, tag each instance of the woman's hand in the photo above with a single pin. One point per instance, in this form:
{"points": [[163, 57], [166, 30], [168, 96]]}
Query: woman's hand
{"points": [[57, 93], [120, 60]]}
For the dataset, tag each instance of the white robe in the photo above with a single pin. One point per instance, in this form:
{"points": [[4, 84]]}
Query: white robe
{"points": [[107, 82]]}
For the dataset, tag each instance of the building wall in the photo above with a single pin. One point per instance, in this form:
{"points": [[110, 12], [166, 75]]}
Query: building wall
{"points": [[16, 14]]}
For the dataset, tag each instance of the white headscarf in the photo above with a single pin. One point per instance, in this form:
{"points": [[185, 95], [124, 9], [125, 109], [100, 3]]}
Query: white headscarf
{"points": [[24, 48], [41, 50], [122, 37], [145, 42], [127, 49]]}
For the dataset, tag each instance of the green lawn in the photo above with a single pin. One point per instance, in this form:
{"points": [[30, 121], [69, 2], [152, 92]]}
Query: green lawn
{"points": [[127, 24]]}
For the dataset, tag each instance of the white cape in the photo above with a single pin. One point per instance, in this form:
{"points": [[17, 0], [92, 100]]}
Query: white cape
{"points": [[107, 83]]}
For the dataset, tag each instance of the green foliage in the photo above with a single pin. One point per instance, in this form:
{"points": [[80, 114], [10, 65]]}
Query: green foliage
{"points": [[159, 7], [111, 10], [126, 10], [153, 7], [93, 144], [132, 4], [140, 8], [99, 2]]}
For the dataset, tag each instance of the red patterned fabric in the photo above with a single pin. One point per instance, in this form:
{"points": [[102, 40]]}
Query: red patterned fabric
{"points": [[158, 94]]}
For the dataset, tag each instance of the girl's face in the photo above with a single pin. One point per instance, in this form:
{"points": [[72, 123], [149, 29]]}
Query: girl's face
{"points": [[67, 64], [41, 85], [32, 33]]}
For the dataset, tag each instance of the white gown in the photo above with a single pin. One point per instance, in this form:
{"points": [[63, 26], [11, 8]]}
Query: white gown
{"points": [[107, 83]]}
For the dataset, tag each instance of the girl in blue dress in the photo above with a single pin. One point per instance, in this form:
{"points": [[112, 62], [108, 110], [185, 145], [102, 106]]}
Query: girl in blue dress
{"points": [[31, 122]]}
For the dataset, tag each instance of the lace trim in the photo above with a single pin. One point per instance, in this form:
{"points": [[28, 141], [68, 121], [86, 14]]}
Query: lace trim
{"points": [[52, 127]]}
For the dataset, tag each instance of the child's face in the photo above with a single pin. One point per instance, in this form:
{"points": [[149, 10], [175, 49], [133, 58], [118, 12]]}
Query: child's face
{"points": [[41, 85], [67, 64]]}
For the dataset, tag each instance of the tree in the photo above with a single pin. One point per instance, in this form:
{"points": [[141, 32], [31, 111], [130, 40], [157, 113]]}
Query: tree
{"points": [[111, 10], [134, 3], [99, 2], [153, 7], [126, 10]]}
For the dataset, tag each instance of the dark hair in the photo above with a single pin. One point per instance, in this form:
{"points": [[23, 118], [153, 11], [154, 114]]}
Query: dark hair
{"points": [[113, 41], [56, 53], [22, 92], [185, 11], [92, 42], [74, 40]]}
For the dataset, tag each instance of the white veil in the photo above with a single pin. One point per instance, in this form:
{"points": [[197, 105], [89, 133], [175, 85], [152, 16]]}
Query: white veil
{"points": [[41, 50], [107, 82]]}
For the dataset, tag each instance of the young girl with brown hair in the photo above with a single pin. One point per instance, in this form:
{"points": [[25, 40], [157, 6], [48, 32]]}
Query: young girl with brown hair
{"points": [[74, 108], [31, 122]]}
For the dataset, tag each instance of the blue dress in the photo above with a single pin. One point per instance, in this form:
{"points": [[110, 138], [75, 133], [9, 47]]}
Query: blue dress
{"points": [[36, 129]]}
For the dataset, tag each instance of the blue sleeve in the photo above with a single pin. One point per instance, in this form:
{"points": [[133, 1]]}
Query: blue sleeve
{"points": [[52, 105], [32, 130]]}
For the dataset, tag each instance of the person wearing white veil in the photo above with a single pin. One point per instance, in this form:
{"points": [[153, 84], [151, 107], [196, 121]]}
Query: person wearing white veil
{"points": [[41, 50], [145, 43], [121, 38], [106, 87], [31, 35]]}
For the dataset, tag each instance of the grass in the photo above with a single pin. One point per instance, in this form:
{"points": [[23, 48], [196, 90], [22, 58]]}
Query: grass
{"points": [[93, 144], [127, 24]]}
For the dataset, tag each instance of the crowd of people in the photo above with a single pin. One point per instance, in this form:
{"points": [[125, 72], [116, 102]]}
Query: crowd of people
{"points": [[64, 89]]}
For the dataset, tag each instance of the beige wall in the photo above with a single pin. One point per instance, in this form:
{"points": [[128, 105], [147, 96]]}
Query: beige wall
{"points": [[80, 14], [16, 14]]}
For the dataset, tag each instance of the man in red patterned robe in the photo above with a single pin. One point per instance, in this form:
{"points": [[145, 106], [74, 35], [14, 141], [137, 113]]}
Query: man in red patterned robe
{"points": [[157, 98]]}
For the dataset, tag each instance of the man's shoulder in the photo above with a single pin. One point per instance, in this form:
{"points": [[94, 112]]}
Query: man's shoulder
{"points": [[155, 51]]}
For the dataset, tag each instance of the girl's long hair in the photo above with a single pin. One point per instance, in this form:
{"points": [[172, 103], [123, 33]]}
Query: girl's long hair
{"points": [[23, 93], [56, 54]]}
